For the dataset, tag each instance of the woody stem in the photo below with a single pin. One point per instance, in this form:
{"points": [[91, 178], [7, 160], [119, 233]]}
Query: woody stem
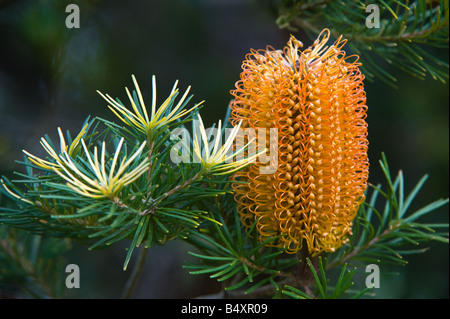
{"points": [[303, 276], [135, 275]]}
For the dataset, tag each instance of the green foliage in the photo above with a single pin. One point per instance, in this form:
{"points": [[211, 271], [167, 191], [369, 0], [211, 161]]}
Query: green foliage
{"points": [[233, 256], [237, 259], [386, 236], [155, 207], [408, 37], [342, 286], [31, 266], [46, 196]]}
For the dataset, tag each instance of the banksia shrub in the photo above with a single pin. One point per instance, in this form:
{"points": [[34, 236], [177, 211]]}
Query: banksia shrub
{"points": [[315, 100], [271, 201]]}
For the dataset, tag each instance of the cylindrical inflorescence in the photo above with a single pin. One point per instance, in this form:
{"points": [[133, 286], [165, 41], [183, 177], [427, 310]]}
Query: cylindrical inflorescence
{"points": [[315, 99]]}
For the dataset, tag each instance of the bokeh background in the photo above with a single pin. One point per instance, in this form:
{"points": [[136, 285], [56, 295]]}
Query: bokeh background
{"points": [[49, 75]]}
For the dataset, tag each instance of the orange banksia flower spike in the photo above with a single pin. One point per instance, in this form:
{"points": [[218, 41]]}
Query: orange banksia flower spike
{"points": [[315, 100]]}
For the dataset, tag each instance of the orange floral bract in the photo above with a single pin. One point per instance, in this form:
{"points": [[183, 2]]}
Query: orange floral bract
{"points": [[315, 98]]}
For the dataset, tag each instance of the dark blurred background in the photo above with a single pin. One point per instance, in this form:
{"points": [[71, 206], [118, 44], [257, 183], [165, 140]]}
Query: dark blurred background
{"points": [[49, 75]]}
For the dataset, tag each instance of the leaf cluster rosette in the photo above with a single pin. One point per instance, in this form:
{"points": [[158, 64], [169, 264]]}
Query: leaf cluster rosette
{"points": [[115, 181]]}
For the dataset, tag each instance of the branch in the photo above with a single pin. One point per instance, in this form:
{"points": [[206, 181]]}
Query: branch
{"points": [[135, 275], [261, 292], [355, 252], [171, 192]]}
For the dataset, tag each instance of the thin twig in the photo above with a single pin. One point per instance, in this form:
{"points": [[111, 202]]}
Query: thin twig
{"points": [[171, 192], [355, 252], [135, 275], [264, 270], [261, 292], [151, 144]]}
